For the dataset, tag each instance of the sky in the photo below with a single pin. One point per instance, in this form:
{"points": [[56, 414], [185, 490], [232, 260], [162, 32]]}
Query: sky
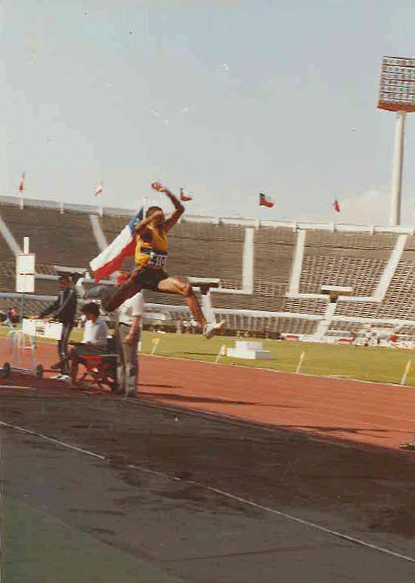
{"points": [[223, 98]]}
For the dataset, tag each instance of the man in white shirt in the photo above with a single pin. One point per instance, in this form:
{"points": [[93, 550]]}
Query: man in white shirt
{"points": [[94, 340], [128, 328]]}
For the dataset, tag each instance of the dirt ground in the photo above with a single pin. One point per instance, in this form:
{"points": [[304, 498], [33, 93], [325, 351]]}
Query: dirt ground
{"points": [[322, 450]]}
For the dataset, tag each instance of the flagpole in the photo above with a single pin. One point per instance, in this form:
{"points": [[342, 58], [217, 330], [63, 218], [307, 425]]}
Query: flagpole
{"points": [[21, 189], [98, 192], [101, 210]]}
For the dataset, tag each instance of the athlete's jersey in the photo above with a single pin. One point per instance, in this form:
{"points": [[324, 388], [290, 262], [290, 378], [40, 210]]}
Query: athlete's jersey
{"points": [[151, 249]]}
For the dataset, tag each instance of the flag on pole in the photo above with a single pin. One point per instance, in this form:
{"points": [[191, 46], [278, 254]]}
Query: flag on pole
{"points": [[184, 197], [265, 200], [21, 185], [98, 189], [111, 258], [336, 206]]}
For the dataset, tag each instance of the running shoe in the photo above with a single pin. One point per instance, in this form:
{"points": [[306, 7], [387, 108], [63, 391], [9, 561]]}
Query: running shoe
{"points": [[213, 328], [96, 292], [408, 446], [102, 292], [64, 377]]}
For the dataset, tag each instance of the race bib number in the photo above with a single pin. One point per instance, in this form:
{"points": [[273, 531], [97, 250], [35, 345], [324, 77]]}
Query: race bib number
{"points": [[158, 260]]}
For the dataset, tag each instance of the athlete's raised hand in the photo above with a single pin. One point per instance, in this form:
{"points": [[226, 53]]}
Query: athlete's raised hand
{"points": [[158, 186]]}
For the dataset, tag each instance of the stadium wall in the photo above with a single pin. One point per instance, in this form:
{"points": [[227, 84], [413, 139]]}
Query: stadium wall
{"points": [[271, 271]]}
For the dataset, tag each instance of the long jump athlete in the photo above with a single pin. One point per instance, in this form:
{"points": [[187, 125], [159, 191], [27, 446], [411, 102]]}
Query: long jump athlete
{"points": [[151, 259]]}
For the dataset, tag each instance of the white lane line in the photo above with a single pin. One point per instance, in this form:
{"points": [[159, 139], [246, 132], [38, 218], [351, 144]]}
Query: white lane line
{"points": [[148, 471], [341, 535], [62, 443], [290, 517]]}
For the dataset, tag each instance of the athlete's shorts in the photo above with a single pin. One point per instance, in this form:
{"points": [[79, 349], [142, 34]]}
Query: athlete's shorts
{"points": [[149, 278]]}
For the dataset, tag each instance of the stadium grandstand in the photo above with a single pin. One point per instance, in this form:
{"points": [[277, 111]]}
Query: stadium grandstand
{"points": [[274, 275]]}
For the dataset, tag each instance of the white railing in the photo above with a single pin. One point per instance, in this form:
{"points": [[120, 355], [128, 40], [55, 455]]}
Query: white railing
{"points": [[241, 221]]}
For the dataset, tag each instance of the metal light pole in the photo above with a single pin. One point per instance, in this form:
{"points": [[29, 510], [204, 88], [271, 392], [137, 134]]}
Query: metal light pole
{"points": [[397, 169], [397, 93]]}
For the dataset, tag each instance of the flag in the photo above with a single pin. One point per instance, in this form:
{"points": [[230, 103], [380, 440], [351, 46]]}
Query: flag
{"points": [[21, 185], [184, 197], [336, 206], [265, 200], [98, 189], [111, 258]]}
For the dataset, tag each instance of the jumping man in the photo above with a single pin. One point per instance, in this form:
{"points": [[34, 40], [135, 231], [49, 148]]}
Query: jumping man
{"points": [[151, 259]]}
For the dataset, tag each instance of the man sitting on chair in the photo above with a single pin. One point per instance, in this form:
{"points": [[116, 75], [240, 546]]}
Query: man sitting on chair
{"points": [[94, 340]]}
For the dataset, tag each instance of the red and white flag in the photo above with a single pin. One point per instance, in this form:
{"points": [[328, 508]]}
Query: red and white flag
{"points": [[336, 206], [265, 200], [112, 257], [184, 197], [98, 189], [21, 185]]}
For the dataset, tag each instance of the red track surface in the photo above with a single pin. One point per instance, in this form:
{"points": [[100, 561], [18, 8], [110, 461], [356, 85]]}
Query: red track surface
{"points": [[367, 413]]}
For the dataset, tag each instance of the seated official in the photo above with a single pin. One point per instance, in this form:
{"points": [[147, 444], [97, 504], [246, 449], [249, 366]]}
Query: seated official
{"points": [[94, 340]]}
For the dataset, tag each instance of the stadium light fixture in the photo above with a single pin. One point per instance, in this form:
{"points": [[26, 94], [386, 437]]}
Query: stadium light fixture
{"points": [[397, 93]]}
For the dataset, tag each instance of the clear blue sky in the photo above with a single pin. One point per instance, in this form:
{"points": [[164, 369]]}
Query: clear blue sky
{"points": [[224, 98]]}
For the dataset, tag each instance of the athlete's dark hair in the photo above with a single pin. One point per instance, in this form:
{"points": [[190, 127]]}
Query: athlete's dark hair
{"points": [[91, 308], [152, 209]]}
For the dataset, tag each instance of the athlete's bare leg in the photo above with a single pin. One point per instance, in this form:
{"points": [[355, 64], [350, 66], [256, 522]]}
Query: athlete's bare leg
{"points": [[113, 296], [175, 284], [117, 295]]}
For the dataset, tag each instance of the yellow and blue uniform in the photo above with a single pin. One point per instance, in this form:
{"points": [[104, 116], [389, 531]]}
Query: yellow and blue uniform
{"points": [[150, 258], [151, 249]]}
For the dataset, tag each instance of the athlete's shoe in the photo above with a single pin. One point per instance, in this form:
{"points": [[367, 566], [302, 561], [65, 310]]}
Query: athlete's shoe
{"points": [[65, 378], [213, 328], [96, 292], [409, 446], [105, 293]]}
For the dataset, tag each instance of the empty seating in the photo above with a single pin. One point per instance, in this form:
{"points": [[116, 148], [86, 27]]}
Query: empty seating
{"points": [[206, 250], [216, 249], [56, 238], [354, 260], [273, 257]]}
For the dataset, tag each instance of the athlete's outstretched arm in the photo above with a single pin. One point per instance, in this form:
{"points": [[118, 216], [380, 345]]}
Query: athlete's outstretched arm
{"points": [[178, 207], [142, 226]]}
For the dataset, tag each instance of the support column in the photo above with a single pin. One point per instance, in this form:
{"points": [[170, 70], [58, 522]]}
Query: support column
{"points": [[248, 262], [395, 197]]}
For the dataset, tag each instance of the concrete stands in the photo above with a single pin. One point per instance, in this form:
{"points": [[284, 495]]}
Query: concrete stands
{"points": [[55, 237], [271, 274], [347, 259]]}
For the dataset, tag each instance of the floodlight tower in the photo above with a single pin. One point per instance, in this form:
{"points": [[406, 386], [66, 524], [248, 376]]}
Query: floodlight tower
{"points": [[397, 93]]}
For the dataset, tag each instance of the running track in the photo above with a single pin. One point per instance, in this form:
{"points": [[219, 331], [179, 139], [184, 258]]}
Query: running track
{"points": [[352, 411], [219, 501]]}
